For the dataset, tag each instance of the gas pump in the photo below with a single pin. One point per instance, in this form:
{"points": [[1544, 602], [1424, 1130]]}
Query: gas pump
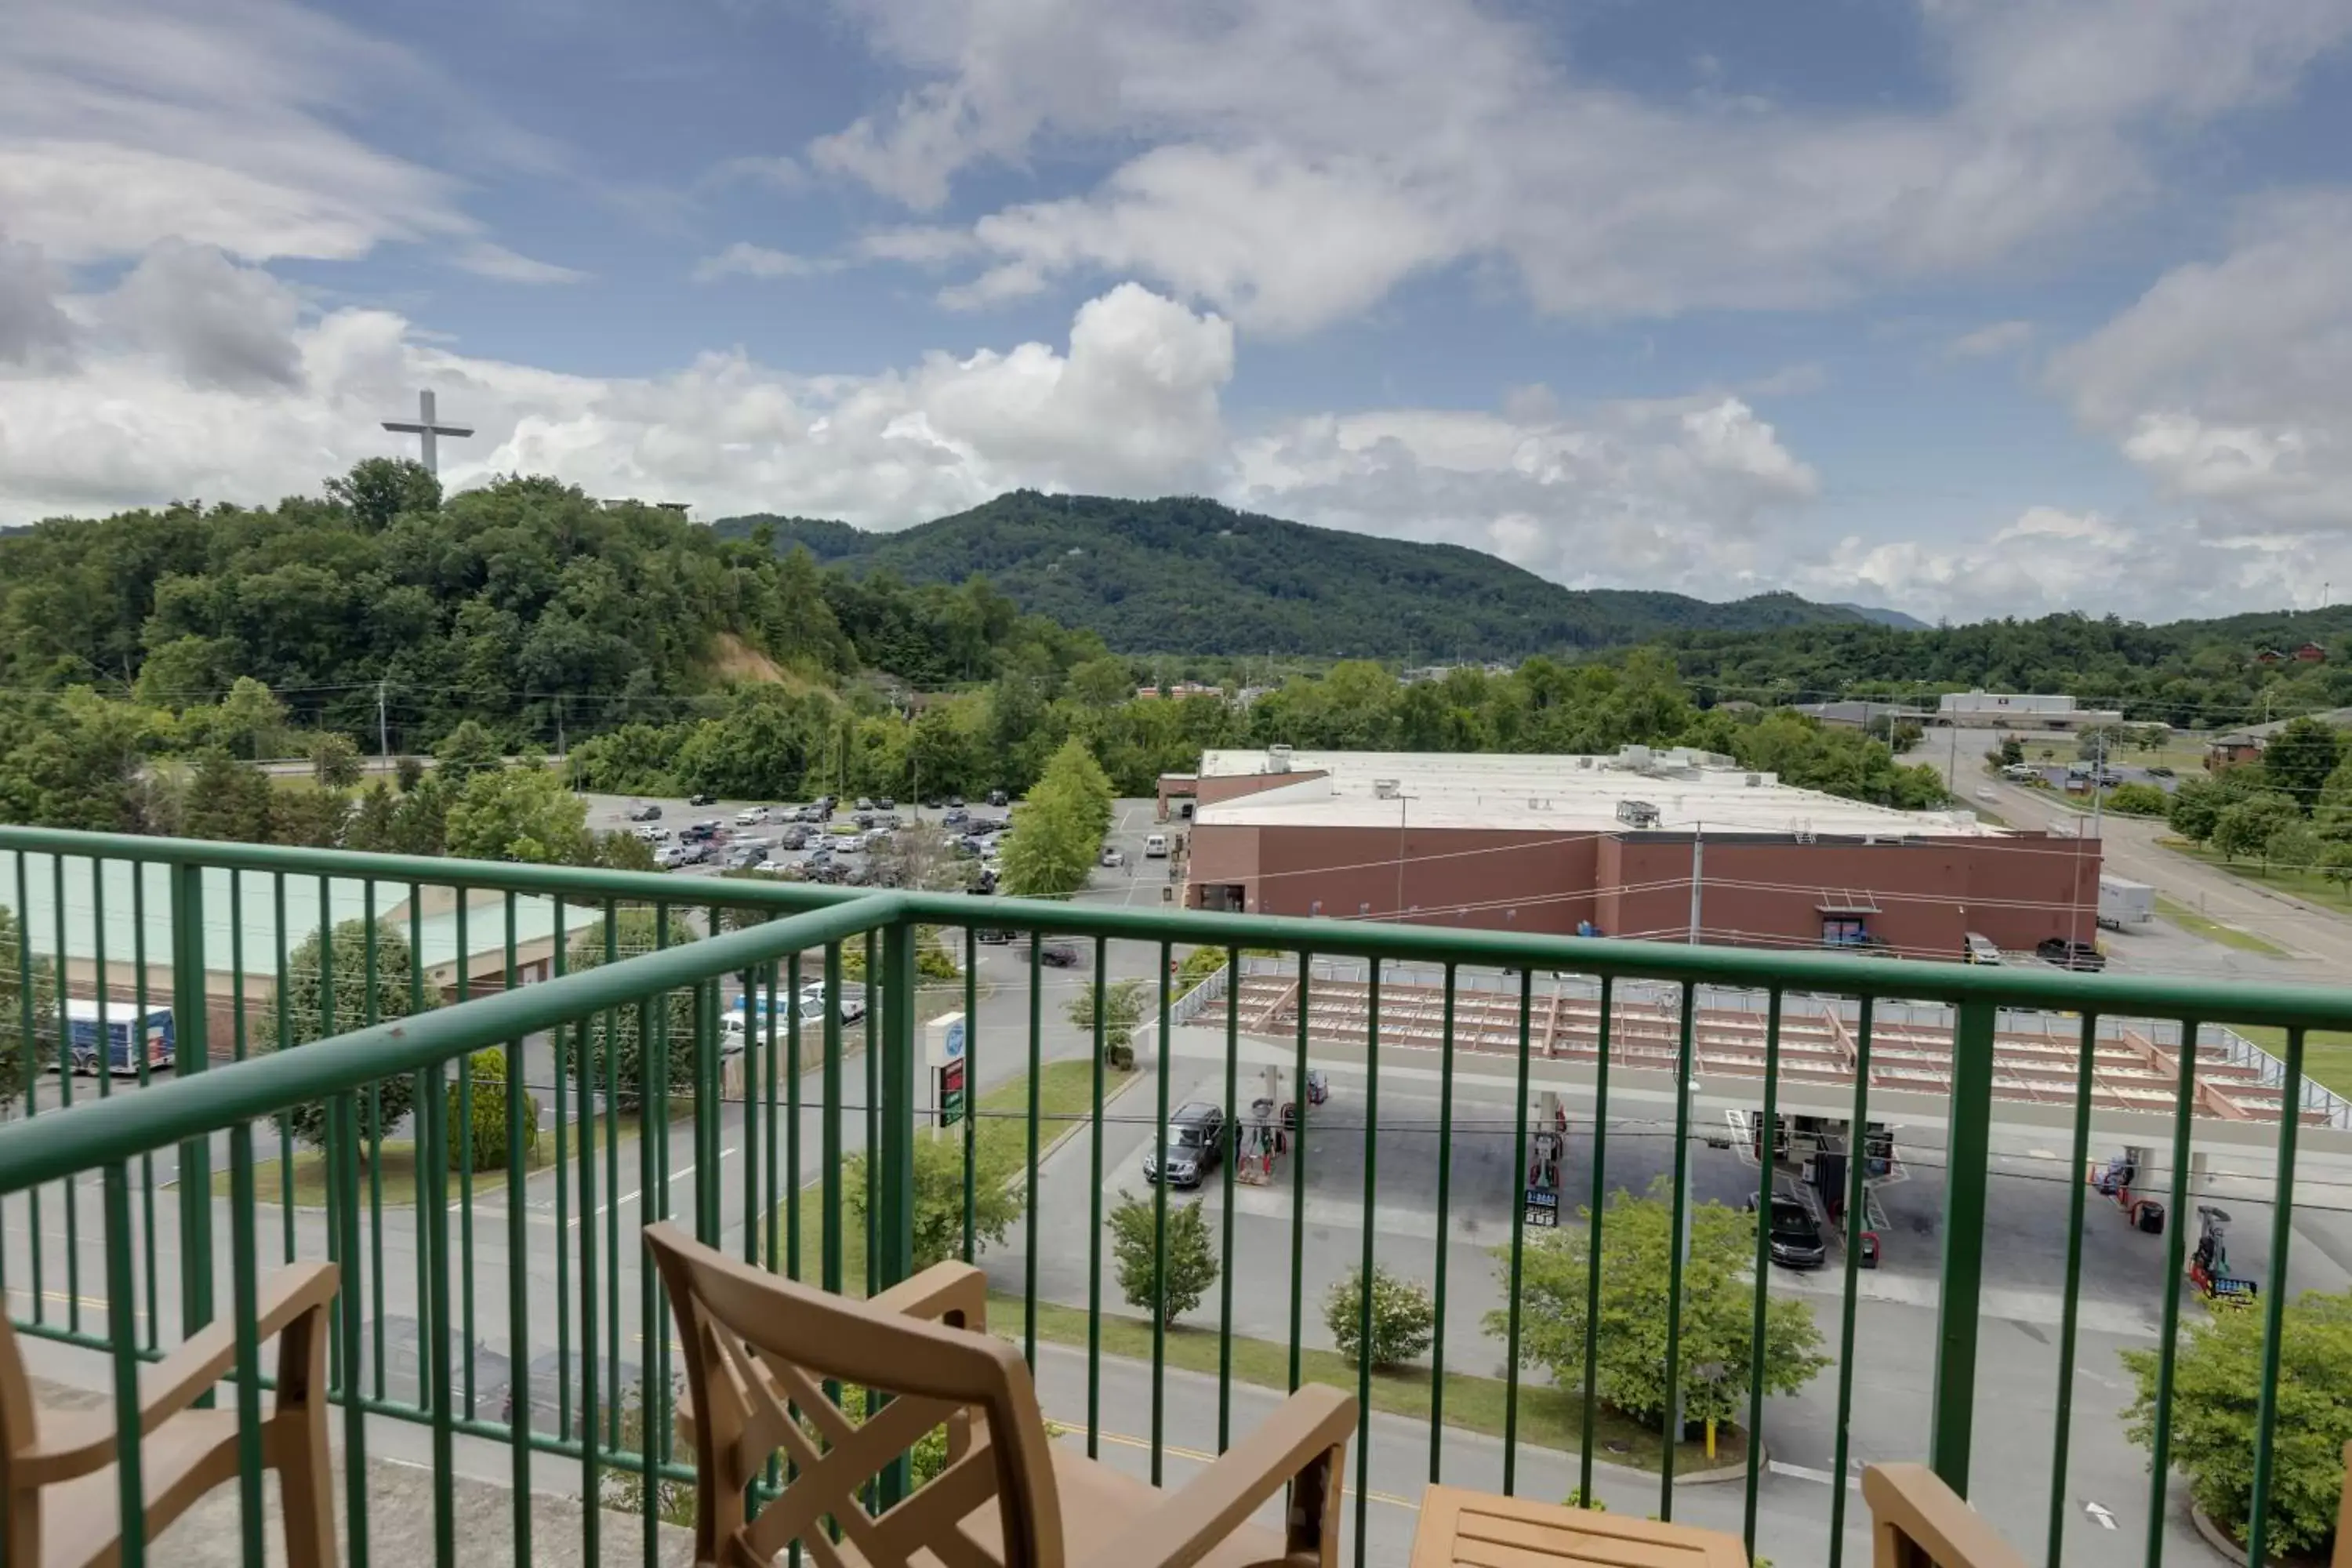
{"points": [[2209, 1266], [1547, 1147]]}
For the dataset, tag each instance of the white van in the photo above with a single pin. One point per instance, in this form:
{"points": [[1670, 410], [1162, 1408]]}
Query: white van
{"points": [[1155, 848]]}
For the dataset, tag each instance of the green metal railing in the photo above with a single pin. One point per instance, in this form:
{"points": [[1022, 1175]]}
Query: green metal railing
{"points": [[617, 1026]]}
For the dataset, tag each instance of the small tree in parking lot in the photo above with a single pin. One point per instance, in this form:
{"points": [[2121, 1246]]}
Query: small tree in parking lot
{"points": [[1123, 1005], [1191, 1262]]}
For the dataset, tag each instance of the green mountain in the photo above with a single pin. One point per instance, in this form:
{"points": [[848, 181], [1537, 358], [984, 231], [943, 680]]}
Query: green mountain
{"points": [[1185, 575]]}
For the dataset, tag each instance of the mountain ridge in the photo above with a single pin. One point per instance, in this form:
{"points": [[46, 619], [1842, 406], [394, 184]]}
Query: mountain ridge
{"points": [[1190, 575]]}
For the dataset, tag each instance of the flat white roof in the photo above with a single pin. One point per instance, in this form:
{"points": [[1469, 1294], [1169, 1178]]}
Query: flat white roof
{"points": [[1690, 791]]}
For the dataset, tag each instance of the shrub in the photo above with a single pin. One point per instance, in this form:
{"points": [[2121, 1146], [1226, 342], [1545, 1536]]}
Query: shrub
{"points": [[487, 1071], [1403, 1318], [307, 1015]]}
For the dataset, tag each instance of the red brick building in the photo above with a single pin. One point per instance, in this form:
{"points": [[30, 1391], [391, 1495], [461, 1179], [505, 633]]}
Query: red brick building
{"points": [[1615, 846]]}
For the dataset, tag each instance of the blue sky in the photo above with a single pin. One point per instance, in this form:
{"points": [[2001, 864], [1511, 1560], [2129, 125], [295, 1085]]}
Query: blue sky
{"points": [[1970, 307]]}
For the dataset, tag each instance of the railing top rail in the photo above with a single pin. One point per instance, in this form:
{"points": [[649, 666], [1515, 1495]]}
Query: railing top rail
{"points": [[57, 1144]]}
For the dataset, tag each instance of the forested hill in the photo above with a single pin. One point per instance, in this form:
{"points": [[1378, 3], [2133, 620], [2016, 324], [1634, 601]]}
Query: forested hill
{"points": [[2187, 674], [1184, 575]]}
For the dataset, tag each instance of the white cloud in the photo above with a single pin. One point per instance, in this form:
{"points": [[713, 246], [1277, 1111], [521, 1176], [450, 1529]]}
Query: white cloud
{"points": [[744, 259], [2230, 382], [1130, 407], [484, 259], [1660, 494], [1990, 342], [32, 327], [1289, 164], [210, 321]]}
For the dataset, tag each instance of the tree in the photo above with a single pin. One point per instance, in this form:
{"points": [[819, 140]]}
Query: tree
{"points": [[250, 721], [1404, 1319], [2138, 800], [996, 1200], [308, 1018], [1102, 683], [2292, 844], [2012, 752], [2246, 827], [2194, 809], [334, 760], [307, 816], [632, 931], [518, 814], [18, 1051], [487, 1087], [1191, 1262], [407, 771], [1123, 1005], [2217, 1375], [621, 852], [2298, 759], [378, 490], [1057, 831], [467, 749], [2335, 863], [226, 800], [1717, 1310]]}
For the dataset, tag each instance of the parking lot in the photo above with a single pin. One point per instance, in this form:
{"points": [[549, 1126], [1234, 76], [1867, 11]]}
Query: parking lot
{"points": [[794, 838]]}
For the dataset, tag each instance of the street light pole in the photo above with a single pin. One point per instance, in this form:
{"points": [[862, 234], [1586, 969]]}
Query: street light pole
{"points": [[1403, 802]]}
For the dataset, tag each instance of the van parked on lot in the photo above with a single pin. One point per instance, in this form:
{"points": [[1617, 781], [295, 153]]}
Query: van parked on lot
{"points": [[1155, 848]]}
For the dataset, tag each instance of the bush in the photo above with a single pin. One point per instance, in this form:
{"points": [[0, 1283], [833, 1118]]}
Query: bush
{"points": [[488, 1136], [2138, 800], [2217, 1379], [407, 772], [996, 1198], [1403, 1318], [633, 933], [1191, 1262]]}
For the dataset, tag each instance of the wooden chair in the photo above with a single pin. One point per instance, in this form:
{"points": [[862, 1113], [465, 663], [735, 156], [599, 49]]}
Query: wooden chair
{"points": [[58, 1491], [1918, 1521], [759, 1348]]}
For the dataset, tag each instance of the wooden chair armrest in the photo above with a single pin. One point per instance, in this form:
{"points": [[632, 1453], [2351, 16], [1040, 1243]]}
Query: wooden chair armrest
{"points": [[76, 1443], [1913, 1500], [1194, 1521]]}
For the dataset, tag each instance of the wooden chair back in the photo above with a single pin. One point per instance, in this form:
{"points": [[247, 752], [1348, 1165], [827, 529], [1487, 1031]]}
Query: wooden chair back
{"points": [[759, 1351]]}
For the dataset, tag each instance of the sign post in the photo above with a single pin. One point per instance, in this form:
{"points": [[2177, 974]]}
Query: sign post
{"points": [[943, 1040]]}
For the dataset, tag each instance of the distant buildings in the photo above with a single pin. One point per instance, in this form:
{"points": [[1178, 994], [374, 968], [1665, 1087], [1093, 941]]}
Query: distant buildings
{"points": [[2246, 745], [1612, 846], [1856, 715], [2020, 710], [2309, 653]]}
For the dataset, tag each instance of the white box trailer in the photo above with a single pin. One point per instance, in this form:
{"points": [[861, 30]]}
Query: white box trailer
{"points": [[2123, 903]]}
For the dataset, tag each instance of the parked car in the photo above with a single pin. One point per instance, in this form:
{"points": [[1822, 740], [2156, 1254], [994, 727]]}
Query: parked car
{"points": [[1113, 858], [1978, 949], [2068, 954], [670, 856], [955, 802], [933, 803], [998, 797], [1794, 1237], [853, 1000], [792, 838], [2157, 773], [864, 803], [1058, 954], [745, 855], [750, 815], [701, 798], [646, 812], [983, 882], [1196, 1139], [886, 804], [956, 816], [993, 936]]}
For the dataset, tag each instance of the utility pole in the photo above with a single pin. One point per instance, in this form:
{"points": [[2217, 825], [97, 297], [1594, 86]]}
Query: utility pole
{"points": [[382, 730], [1698, 879], [1403, 804], [559, 727]]}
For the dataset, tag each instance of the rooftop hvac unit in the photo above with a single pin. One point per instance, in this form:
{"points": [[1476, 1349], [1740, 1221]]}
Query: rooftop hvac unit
{"points": [[1637, 814], [1278, 759], [1385, 789], [1755, 781]]}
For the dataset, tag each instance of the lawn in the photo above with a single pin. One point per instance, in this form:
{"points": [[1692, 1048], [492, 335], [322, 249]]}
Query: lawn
{"points": [[2195, 924], [396, 1165], [1000, 1145], [2299, 883], [2326, 1058], [1549, 1418]]}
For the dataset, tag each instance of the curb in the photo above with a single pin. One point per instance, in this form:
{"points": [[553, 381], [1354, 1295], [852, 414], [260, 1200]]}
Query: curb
{"points": [[2227, 1550], [1074, 1128], [1724, 1474]]}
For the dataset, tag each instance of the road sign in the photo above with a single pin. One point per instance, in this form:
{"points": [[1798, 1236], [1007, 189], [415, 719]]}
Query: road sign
{"points": [[947, 1092]]}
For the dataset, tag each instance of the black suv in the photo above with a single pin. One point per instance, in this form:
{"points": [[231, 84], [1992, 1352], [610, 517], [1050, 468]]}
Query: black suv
{"points": [[1055, 955], [1196, 1141], [2069, 954], [1795, 1238], [703, 797]]}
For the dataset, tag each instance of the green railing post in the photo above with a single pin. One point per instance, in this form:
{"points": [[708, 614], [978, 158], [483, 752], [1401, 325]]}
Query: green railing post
{"points": [[189, 1056], [896, 1251], [1968, 1152]]}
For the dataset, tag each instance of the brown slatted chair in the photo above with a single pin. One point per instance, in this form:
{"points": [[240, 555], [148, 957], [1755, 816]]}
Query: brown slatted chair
{"points": [[59, 1492], [759, 1349]]}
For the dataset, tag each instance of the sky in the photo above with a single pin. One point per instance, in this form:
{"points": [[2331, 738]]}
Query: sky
{"points": [[1968, 308]]}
